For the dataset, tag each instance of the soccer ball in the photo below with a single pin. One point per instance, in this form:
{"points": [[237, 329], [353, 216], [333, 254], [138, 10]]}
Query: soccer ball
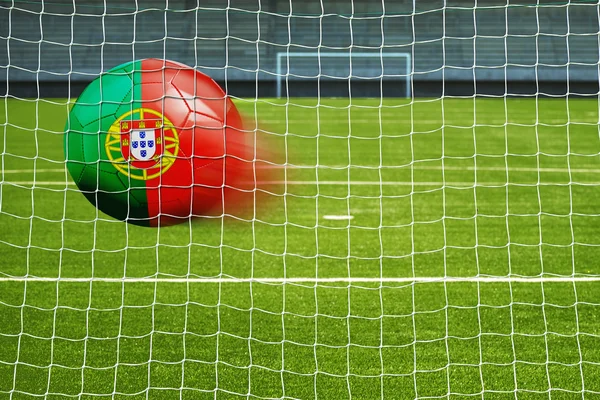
{"points": [[155, 142]]}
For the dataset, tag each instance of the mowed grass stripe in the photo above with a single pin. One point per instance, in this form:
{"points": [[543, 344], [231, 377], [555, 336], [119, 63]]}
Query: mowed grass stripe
{"points": [[313, 183], [417, 167], [350, 280], [29, 171]]}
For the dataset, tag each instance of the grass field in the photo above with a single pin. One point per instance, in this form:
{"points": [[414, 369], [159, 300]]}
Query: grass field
{"points": [[418, 296]]}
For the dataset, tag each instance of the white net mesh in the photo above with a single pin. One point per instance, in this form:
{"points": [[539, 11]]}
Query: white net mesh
{"points": [[443, 245]]}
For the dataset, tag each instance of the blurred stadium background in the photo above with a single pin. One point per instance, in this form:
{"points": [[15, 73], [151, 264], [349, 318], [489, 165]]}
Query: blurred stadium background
{"points": [[443, 244], [460, 46]]}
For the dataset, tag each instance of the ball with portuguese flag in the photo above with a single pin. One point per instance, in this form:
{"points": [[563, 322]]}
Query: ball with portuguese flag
{"points": [[155, 142]]}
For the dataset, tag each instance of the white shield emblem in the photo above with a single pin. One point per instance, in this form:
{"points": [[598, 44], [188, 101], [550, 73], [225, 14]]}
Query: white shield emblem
{"points": [[143, 144]]}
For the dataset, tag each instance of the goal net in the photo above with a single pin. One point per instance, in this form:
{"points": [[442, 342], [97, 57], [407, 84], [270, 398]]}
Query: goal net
{"points": [[435, 236]]}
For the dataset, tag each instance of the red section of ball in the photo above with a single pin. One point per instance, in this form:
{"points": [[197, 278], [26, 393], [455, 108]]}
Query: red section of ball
{"points": [[213, 170]]}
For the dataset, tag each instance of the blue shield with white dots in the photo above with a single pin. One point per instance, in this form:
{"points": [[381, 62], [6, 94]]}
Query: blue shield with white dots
{"points": [[143, 143]]}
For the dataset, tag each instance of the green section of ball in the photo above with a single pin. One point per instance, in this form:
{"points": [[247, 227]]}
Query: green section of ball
{"points": [[103, 101]]}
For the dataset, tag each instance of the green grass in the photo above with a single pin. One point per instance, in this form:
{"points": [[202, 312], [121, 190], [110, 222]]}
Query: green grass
{"points": [[489, 187]]}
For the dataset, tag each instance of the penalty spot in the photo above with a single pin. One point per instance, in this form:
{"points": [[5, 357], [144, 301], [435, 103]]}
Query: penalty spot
{"points": [[338, 217]]}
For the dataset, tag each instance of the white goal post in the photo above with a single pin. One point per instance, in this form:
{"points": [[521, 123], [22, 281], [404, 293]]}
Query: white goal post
{"points": [[282, 72]]}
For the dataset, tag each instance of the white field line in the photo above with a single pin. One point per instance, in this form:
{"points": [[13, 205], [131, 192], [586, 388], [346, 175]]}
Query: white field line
{"points": [[418, 167], [430, 279], [325, 183], [363, 183], [38, 184], [437, 122], [515, 169], [386, 183]]}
